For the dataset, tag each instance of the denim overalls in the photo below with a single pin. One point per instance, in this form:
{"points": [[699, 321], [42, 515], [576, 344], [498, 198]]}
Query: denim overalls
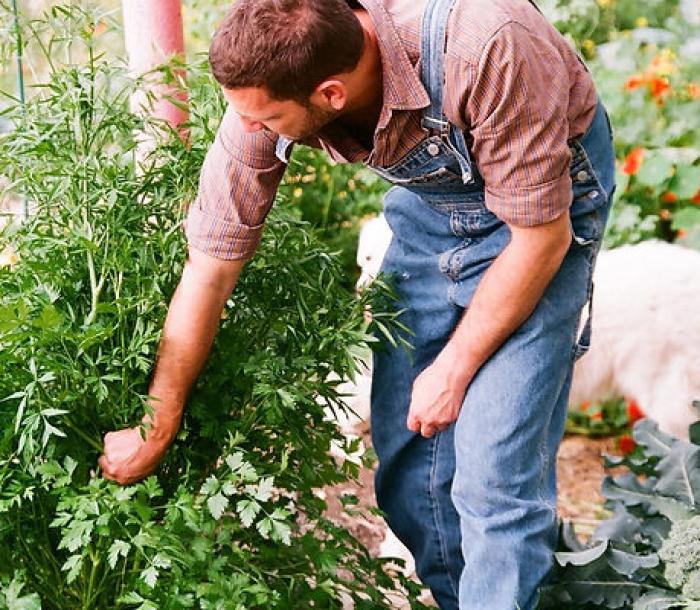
{"points": [[476, 504]]}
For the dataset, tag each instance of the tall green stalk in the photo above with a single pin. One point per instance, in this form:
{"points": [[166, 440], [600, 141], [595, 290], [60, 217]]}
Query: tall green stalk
{"points": [[19, 53]]}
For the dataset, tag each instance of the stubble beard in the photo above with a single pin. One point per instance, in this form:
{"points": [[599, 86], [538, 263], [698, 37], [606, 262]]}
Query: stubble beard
{"points": [[316, 120]]}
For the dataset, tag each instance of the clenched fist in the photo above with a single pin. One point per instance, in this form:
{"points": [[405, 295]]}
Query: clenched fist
{"points": [[128, 458]]}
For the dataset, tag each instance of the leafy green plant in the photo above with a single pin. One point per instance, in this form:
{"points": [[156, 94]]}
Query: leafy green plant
{"points": [[591, 22], [334, 198], [600, 418], [652, 92], [632, 559], [232, 520]]}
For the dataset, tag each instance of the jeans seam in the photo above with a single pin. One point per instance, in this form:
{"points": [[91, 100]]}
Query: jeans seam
{"points": [[543, 475], [436, 512]]}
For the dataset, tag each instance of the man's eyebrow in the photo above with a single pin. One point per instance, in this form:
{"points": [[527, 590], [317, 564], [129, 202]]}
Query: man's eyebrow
{"points": [[272, 117]]}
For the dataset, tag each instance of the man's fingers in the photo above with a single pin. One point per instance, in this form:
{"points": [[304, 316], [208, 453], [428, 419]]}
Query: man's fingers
{"points": [[427, 430], [109, 473], [106, 467], [412, 422], [423, 428]]}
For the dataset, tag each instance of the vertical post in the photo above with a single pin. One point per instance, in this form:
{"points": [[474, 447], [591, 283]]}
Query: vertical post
{"points": [[19, 54], [153, 34]]}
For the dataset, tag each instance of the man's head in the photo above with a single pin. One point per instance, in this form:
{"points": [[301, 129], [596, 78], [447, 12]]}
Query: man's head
{"points": [[276, 59]]}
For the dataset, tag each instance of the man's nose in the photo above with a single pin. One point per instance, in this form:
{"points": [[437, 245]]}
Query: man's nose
{"points": [[251, 126]]}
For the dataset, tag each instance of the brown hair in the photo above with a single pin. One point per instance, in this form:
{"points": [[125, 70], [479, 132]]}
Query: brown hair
{"points": [[286, 46]]}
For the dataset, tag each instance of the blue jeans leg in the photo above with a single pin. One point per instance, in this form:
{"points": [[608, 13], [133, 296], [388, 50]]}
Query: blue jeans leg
{"points": [[506, 440]]}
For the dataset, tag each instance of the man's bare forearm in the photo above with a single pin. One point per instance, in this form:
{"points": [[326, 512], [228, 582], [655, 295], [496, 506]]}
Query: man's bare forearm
{"points": [[189, 330], [507, 294], [188, 333]]}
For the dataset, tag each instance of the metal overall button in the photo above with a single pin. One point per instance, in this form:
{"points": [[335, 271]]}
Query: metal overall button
{"points": [[433, 149], [582, 175]]}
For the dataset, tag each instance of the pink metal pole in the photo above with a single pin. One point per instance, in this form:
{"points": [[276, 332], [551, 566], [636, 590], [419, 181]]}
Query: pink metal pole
{"points": [[153, 34]]}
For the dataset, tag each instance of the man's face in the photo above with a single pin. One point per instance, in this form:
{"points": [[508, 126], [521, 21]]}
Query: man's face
{"points": [[287, 117]]}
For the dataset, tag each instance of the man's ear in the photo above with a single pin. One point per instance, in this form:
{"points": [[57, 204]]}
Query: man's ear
{"points": [[331, 94]]}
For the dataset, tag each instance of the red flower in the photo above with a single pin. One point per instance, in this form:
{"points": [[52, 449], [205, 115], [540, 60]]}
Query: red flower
{"points": [[634, 413], [658, 87], [626, 444], [634, 82], [669, 197], [633, 161], [696, 198]]}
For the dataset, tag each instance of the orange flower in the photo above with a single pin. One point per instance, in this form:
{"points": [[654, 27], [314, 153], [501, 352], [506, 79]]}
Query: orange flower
{"points": [[669, 197], [696, 198], [626, 444], [585, 405], [694, 91], [633, 161], [663, 64], [597, 416], [634, 82], [658, 87], [634, 413], [681, 233]]}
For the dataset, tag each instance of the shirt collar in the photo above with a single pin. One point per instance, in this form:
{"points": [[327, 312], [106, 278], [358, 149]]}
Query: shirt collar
{"points": [[402, 87]]}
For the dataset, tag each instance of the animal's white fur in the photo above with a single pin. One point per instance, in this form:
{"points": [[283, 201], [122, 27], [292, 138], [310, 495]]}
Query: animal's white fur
{"points": [[646, 333], [375, 236]]}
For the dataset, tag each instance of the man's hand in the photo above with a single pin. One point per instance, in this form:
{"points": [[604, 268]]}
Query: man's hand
{"points": [[437, 394], [128, 458]]}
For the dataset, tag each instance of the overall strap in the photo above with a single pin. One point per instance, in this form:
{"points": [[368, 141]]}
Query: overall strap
{"points": [[433, 33], [433, 40], [283, 148]]}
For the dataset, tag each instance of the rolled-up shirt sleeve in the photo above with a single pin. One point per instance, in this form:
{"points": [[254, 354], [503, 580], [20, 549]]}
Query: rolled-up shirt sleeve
{"points": [[237, 186], [517, 113]]}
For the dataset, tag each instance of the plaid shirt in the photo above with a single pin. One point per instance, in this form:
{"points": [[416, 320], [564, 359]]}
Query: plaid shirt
{"points": [[512, 83]]}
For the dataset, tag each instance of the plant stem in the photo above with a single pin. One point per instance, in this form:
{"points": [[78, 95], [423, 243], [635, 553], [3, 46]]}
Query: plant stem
{"points": [[91, 583], [18, 54], [95, 286], [90, 441]]}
